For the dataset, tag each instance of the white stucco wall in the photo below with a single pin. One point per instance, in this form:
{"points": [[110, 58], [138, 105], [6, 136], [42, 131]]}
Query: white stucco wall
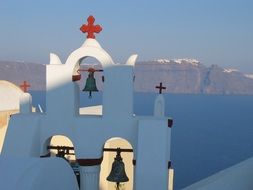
{"points": [[237, 177], [36, 174], [29, 134], [152, 158]]}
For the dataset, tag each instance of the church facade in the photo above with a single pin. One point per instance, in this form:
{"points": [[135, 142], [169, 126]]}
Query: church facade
{"points": [[29, 134]]}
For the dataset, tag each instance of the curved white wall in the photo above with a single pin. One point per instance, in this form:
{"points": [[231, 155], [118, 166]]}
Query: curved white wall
{"points": [[9, 96], [238, 177], [36, 174]]}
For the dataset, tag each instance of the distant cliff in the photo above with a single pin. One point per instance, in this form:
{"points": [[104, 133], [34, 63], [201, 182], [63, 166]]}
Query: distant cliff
{"points": [[190, 76], [17, 72], [178, 75]]}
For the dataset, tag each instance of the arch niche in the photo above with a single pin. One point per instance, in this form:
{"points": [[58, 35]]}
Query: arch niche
{"points": [[91, 50], [58, 140], [90, 105], [62, 146], [108, 158]]}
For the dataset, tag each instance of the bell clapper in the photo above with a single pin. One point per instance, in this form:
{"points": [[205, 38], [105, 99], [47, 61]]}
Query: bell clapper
{"points": [[117, 185]]}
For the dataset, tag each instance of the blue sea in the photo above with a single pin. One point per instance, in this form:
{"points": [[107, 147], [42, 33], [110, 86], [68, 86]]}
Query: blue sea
{"points": [[210, 132]]}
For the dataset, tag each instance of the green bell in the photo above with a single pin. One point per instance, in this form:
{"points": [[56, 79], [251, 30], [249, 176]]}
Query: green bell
{"points": [[118, 173], [90, 85]]}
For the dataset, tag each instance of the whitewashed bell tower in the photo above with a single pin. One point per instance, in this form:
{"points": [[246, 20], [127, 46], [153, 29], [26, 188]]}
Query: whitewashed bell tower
{"points": [[29, 133]]}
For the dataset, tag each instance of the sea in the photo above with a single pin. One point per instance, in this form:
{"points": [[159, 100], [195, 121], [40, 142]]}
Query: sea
{"points": [[210, 132]]}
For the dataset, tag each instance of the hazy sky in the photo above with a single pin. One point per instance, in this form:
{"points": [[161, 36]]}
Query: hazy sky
{"points": [[213, 31]]}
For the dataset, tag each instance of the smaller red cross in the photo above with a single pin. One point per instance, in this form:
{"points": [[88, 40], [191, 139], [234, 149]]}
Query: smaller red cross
{"points": [[90, 28], [25, 86], [160, 87]]}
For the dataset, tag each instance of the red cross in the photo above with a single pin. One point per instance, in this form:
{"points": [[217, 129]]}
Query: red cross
{"points": [[25, 86], [90, 28], [160, 87]]}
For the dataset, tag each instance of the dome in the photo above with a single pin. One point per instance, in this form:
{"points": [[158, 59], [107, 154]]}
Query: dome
{"points": [[9, 96]]}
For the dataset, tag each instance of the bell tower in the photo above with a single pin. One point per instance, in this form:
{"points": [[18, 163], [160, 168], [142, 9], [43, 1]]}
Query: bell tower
{"points": [[149, 136]]}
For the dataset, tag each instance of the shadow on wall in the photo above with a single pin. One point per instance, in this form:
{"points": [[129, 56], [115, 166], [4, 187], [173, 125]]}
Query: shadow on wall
{"points": [[4, 120]]}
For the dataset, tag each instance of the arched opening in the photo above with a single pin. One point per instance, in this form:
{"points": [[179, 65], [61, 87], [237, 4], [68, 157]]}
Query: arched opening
{"points": [[62, 141], [108, 159], [62, 147], [90, 81]]}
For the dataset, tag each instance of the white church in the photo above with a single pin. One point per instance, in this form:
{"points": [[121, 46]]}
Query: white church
{"points": [[25, 163], [90, 148]]}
